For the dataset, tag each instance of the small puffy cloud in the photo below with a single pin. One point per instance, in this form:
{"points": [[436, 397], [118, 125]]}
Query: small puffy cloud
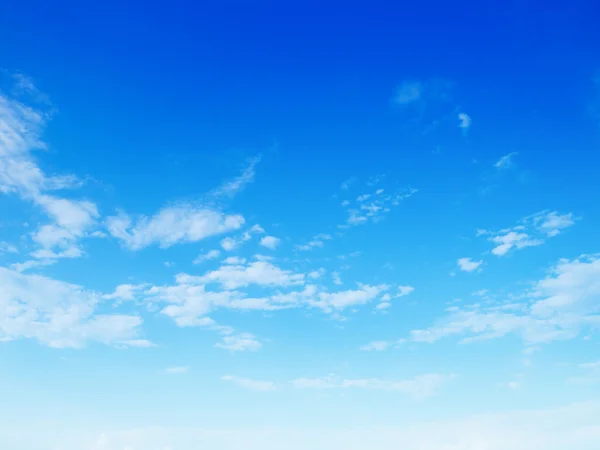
{"points": [[243, 342], [408, 92], [270, 242], [506, 162], [468, 265], [126, 292], [183, 223], [234, 260], [404, 290], [464, 121], [179, 370], [247, 383], [317, 242]]}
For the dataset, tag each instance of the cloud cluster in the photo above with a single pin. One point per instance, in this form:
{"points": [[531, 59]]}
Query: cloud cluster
{"points": [[560, 306], [60, 314], [531, 231]]}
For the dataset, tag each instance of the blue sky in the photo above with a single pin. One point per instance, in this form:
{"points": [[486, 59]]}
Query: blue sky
{"points": [[263, 225]]}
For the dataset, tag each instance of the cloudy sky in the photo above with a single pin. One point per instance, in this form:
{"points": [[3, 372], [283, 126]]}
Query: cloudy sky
{"points": [[256, 226]]}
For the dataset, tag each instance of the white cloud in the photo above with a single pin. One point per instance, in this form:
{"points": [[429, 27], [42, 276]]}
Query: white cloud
{"points": [[376, 346], [316, 242], [468, 265], [238, 184], [531, 231], [212, 254], [247, 383], [244, 342], [6, 247], [372, 207], [506, 161], [234, 260], [573, 427], [344, 299], [409, 92], [231, 243], [179, 370], [20, 135], [553, 223], [418, 387], [465, 121], [512, 239], [559, 307], [126, 292], [172, 225], [270, 242], [59, 314], [261, 273], [337, 280], [404, 290], [591, 365]]}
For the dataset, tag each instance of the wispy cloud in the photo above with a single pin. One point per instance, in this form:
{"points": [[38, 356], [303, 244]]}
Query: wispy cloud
{"points": [[233, 187], [531, 231], [247, 383], [172, 225], [559, 307], [506, 162], [179, 370], [419, 387]]}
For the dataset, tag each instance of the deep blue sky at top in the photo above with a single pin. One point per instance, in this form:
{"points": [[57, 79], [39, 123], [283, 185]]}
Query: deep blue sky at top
{"points": [[181, 92]]}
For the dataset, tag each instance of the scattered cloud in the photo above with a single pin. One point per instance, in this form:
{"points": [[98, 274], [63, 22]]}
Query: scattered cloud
{"points": [[239, 343], [59, 314], [419, 387], [212, 254], [247, 383], [531, 231], [270, 242], [372, 207], [232, 243], [468, 265], [6, 247], [179, 370], [464, 121], [317, 242], [558, 307], [238, 184], [574, 427], [21, 130], [172, 225], [375, 346], [337, 280], [506, 162], [408, 92]]}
